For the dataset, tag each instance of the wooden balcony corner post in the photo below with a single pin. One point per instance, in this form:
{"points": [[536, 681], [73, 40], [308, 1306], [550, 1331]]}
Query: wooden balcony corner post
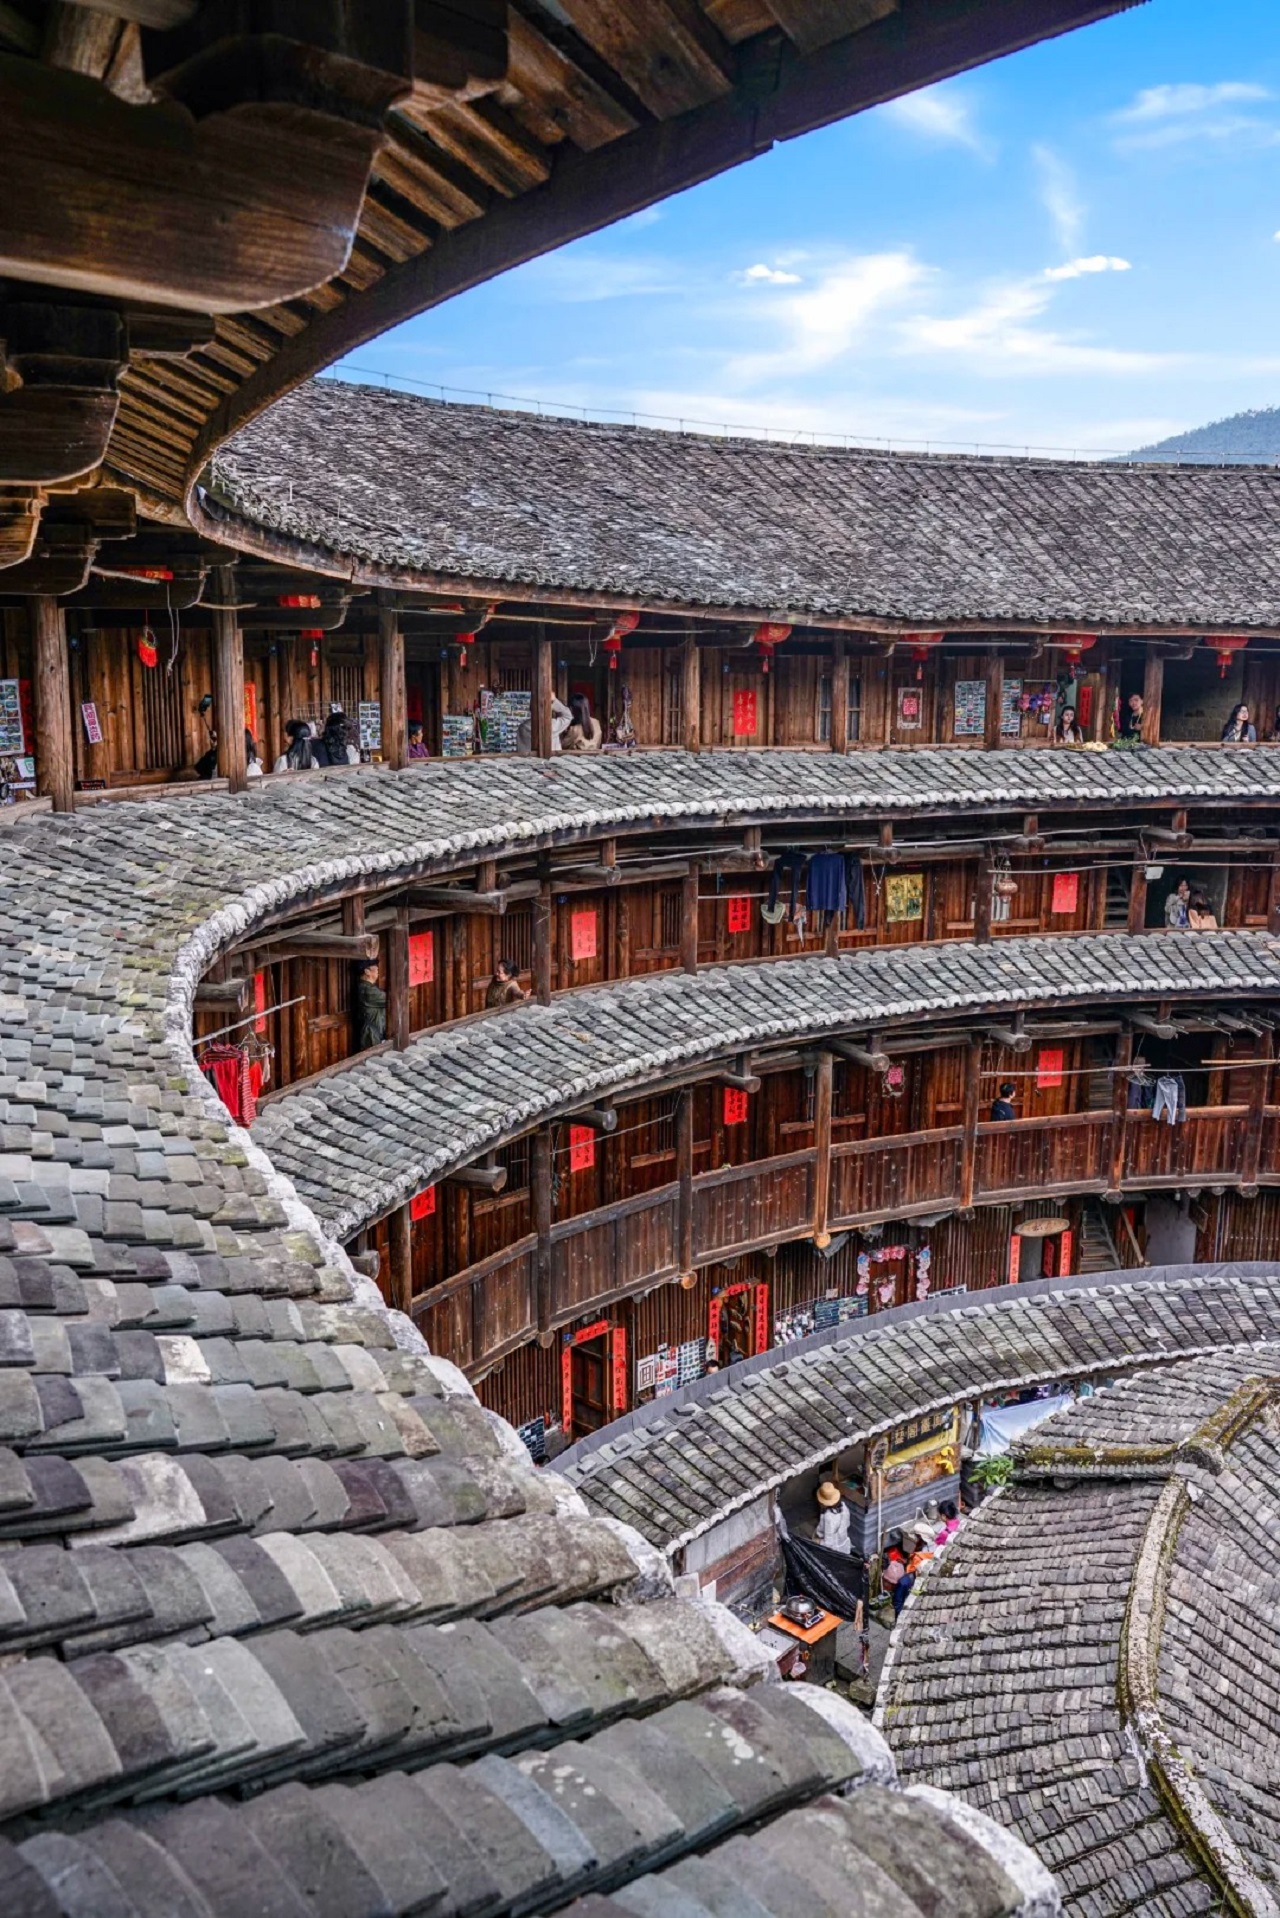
{"points": [[995, 700], [983, 899], [1138, 893], [228, 681], [822, 1107], [543, 687], [542, 925], [684, 1177], [1260, 1083], [969, 1136], [391, 683], [1118, 1142], [691, 693], [689, 921], [397, 986], [540, 1172], [400, 1260], [55, 745], [839, 694], [1152, 696]]}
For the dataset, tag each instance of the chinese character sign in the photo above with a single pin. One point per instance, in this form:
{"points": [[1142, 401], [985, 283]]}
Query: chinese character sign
{"points": [[735, 1106], [744, 713], [1049, 1068], [1066, 892], [582, 932], [739, 913], [582, 1148], [422, 958], [424, 1204]]}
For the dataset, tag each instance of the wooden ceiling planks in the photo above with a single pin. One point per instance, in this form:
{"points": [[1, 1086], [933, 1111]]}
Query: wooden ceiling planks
{"points": [[812, 24], [667, 51]]}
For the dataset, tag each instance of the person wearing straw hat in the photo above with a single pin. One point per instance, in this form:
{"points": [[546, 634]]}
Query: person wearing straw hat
{"points": [[833, 1528]]}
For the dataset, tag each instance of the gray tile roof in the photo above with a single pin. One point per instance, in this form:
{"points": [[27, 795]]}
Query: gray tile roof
{"points": [[1093, 1660], [370, 1136], [513, 500], [288, 1623]]}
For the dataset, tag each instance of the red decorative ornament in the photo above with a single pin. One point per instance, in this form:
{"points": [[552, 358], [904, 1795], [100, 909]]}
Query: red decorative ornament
{"points": [[1073, 645], [315, 634], [1226, 645], [766, 636], [147, 572], [612, 643], [922, 644], [147, 650], [299, 599]]}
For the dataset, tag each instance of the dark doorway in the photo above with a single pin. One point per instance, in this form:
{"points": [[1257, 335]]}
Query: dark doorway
{"points": [[589, 1384]]}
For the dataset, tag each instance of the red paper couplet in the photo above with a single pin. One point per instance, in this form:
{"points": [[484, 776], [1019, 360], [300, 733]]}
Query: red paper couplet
{"points": [[735, 1106], [1066, 892], [1049, 1067], [583, 934], [422, 958], [423, 1204], [739, 908], [582, 1148], [744, 714]]}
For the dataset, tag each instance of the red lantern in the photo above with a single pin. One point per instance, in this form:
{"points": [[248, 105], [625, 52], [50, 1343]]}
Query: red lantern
{"points": [[624, 623], [1073, 645], [922, 645], [315, 634], [766, 636], [299, 599], [147, 651], [1226, 645]]}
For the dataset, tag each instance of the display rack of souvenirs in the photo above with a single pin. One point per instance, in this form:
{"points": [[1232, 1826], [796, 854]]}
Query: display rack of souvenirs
{"points": [[500, 718], [457, 735]]}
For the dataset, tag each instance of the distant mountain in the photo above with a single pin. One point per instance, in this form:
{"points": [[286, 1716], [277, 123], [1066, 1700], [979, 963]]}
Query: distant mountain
{"points": [[1246, 439]]}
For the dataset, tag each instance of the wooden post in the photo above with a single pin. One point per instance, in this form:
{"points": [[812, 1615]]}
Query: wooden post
{"points": [[1251, 1158], [995, 701], [822, 1101], [400, 1262], [1273, 894], [1152, 696], [691, 693], [543, 687], [55, 749], [1119, 1114], [392, 695], [397, 986], [1138, 894], [540, 1173], [228, 682], [684, 1176], [542, 915], [622, 936], [983, 898], [839, 695], [972, 1113], [689, 921]]}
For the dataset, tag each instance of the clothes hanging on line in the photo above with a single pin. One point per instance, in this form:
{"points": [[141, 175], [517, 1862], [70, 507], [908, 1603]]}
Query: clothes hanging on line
{"points": [[826, 884], [790, 865], [1170, 1102], [236, 1076]]}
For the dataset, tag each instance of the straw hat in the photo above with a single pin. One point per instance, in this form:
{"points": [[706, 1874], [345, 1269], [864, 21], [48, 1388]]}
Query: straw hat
{"points": [[828, 1494]]}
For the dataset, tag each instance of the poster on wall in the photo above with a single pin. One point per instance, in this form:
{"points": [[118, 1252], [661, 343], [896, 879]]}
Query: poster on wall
{"points": [[11, 733], [422, 959], [904, 897], [744, 714], [457, 732], [1010, 711], [92, 727], [970, 709], [1066, 892], [582, 934], [910, 708], [370, 713]]}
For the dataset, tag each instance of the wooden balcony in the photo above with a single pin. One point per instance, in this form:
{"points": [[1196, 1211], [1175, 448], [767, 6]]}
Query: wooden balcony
{"points": [[492, 1308]]}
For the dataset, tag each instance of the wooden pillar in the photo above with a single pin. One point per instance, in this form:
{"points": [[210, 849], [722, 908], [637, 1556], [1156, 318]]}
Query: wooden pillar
{"points": [[228, 681], [995, 700], [461, 966], [622, 935], [684, 1176], [690, 693], [397, 981], [1152, 696], [55, 747], [983, 898], [400, 1261], [543, 687], [540, 1173], [1138, 894], [972, 1114], [1119, 1114], [822, 1101], [392, 696], [542, 917], [689, 921], [839, 695], [1260, 1080], [1273, 894]]}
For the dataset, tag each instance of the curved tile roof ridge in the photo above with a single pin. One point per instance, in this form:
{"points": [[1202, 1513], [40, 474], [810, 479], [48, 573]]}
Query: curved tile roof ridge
{"points": [[675, 1472], [508, 499], [374, 1132], [287, 1621], [1118, 1609]]}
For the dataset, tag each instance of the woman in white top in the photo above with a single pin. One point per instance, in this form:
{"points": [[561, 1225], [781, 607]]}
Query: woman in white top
{"points": [[561, 720], [833, 1528], [585, 734]]}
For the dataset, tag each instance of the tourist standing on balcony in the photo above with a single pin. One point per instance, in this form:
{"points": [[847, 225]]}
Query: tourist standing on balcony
{"points": [[1176, 907], [505, 988], [371, 1008], [1002, 1105], [1200, 914], [299, 755], [1132, 726], [417, 744], [1239, 730], [561, 720], [583, 734], [1066, 732]]}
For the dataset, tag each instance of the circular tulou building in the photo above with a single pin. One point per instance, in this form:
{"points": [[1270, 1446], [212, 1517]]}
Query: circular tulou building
{"points": [[572, 996]]}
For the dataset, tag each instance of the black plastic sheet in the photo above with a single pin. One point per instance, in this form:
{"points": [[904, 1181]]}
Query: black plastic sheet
{"points": [[834, 1580]]}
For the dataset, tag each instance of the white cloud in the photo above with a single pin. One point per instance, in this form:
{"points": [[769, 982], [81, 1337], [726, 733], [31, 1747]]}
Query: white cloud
{"points": [[1092, 263], [997, 336], [1171, 115], [1164, 102], [1061, 197], [822, 323], [939, 113], [762, 275]]}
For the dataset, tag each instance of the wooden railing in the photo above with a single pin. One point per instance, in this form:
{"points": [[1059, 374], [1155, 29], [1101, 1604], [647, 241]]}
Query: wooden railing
{"points": [[491, 1308]]}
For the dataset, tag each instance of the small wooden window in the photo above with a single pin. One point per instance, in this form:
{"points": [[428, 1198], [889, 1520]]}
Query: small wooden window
{"points": [[669, 916], [516, 937], [516, 1158], [824, 709]]}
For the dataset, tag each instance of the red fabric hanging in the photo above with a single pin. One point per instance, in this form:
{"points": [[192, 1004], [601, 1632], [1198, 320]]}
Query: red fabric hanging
{"points": [[235, 1078]]}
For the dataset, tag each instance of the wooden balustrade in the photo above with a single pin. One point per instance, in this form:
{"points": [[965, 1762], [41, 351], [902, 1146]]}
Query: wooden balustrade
{"points": [[491, 1308]]}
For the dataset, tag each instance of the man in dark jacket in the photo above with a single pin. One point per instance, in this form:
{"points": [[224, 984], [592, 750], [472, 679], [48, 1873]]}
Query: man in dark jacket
{"points": [[371, 1008]]}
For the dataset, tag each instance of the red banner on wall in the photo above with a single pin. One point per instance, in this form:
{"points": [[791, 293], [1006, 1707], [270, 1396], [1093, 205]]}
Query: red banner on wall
{"points": [[1066, 892], [1048, 1068], [739, 909], [260, 1001], [422, 958], [744, 713], [735, 1106], [582, 933], [582, 1148], [423, 1204]]}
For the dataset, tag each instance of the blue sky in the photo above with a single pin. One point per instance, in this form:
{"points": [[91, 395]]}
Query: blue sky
{"points": [[1074, 248]]}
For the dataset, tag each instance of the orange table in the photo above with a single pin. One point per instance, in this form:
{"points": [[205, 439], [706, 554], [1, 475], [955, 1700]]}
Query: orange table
{"points": [[808, 1635]]}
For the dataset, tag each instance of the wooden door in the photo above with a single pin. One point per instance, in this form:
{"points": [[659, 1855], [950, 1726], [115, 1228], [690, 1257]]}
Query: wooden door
{"points": [[588, 1394]]}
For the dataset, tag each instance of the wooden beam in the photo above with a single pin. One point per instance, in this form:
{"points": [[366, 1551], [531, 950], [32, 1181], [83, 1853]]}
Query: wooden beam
{"points": [[1152, 696], [236, 993], [391, 684], [1156, 1028], [542, 923], [813, 24], [1255, 1123], [995, 700], [839, 694], [1117, 1145], [480, 1178], [353, 946], [689, 921], [1138, 895], [400, 1259], [1273, 895], [983, 899], [54, 742], [543, 689], [871, 1061], [540, 1171], [599, 1118], [397, 981], [684, 1178], [743, 1080], [822, 1104], [1011, 1036], [690, 693], [643, 873], [969, 1125], [228, 682], [458, 899]]}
